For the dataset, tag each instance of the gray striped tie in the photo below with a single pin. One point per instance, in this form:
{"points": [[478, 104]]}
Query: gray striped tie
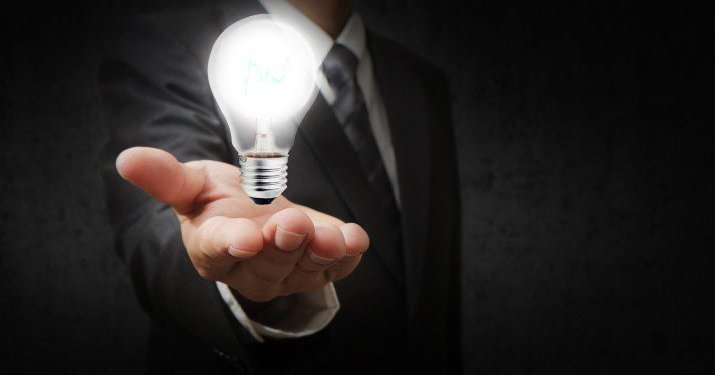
{"points": [[340, 67]]}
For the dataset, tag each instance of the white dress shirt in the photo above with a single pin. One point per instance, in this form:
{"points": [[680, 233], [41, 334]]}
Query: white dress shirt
{"points": [[303, 314]]}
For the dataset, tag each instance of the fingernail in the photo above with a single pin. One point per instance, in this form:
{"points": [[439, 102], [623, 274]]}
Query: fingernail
{"points": [[238, 253], [318, 259], [118, 163], [287, 240]]}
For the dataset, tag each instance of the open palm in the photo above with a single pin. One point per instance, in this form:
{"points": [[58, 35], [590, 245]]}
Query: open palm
{"points": [[261, 252]]}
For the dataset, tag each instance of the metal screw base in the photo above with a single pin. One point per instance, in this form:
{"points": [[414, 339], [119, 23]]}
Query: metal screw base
{"points": [[263, 178]]}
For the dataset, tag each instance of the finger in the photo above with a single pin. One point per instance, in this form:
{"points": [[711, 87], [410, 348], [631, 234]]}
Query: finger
{"points": [[220, 242], [357, 242], [162, 176], [356, 239], [285, 236], [288, 229], [326, 247]]}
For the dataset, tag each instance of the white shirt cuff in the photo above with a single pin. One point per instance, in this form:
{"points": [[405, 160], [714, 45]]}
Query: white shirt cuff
{"points": [[293, 316]]}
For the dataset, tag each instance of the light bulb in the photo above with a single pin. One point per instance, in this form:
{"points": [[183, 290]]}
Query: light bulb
{"points": [[262, 75]]}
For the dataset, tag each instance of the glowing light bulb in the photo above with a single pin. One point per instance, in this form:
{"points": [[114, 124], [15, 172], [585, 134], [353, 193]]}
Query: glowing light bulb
{"points": [[262, 74]]}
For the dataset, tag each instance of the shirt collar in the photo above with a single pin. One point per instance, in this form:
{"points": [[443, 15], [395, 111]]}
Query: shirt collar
{"points": [[352, 36]]}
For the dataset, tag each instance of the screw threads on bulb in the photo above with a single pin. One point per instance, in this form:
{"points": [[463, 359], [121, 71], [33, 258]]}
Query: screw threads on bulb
{"points": [[263, 177]]}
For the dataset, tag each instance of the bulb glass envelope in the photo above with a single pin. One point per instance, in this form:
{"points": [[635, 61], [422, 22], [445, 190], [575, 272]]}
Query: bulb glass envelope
{"points": [[262, 74]]}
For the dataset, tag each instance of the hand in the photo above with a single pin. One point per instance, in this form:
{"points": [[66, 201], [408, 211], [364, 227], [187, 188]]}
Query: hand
{"points": [[261, 252]]}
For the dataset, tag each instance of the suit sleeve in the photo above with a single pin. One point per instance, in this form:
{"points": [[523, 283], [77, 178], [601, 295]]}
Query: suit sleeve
{"points": [[154, 94]]}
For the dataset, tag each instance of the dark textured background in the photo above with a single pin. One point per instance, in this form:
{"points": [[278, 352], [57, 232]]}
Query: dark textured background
{"points": [[584, 154]]}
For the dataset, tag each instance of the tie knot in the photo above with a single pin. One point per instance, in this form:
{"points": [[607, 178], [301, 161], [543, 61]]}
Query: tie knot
{"points": [[339, 66]]}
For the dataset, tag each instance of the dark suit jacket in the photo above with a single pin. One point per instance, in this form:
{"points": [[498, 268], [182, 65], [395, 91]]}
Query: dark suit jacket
{"points": [[396, 316]]}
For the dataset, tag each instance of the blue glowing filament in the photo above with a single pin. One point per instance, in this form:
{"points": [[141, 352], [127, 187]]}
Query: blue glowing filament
{"points": [[264, 75]]}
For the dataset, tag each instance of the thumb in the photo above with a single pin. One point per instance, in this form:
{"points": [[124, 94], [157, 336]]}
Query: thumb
{"points": [[162, 176]]}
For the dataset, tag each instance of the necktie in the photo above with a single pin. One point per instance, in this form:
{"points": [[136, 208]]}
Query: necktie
{"points": [[339, 67]]}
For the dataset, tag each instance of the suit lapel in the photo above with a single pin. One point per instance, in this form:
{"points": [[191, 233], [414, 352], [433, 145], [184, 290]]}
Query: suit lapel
{"points": [[327, 139], [410, 131]]}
